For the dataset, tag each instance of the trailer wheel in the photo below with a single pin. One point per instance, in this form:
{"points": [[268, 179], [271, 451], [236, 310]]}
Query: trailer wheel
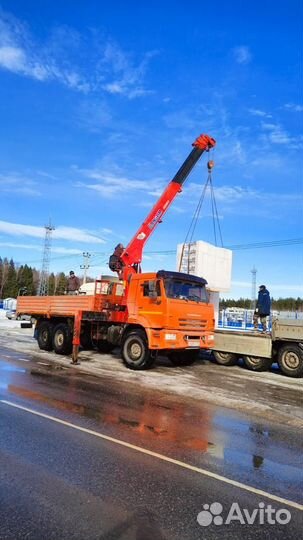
{"points": [[104, 346], [257, 363], [62, 339], [135, 351], [290, 360], [225, 358], [45, 336], [184, 358]]}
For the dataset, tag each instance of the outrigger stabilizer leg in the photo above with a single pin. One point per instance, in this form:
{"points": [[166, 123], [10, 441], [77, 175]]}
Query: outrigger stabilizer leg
{"points": [[76, 338]]}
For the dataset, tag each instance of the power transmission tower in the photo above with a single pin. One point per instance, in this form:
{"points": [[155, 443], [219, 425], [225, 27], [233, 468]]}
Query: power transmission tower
{"points": [[44, 275], [85, 266], [253, 287]]}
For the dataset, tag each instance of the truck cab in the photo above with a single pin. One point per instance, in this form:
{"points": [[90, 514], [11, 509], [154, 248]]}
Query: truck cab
{"points": [[173, 308]]}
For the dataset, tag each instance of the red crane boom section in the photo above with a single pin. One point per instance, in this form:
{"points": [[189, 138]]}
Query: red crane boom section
{"points": [[132, 255]]}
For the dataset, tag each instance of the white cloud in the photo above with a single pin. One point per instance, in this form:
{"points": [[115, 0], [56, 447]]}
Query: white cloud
{"points": [[235, 194], [19, 55], [258, 112], [276, 133], [71, 233], [108, 184], [60, 233], [294, 107], [242, 55], [12, 58], [35, 247], [107, 67], [123, 76], [114, 88], [14, 183], [94, 115]]}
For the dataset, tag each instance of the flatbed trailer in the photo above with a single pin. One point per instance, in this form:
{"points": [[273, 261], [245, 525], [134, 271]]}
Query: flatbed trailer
{"points": [[284, 344]]}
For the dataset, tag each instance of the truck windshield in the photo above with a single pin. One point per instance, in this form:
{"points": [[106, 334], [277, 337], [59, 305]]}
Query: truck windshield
{"points": [[185, 290]]}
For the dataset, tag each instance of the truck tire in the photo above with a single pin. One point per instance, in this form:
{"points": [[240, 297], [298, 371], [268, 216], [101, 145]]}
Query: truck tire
{"points": [[225, 358], [257, 363], [45, 336], [104, 346], [62, 339], [184, 358], [290, 360], [135, 351]]}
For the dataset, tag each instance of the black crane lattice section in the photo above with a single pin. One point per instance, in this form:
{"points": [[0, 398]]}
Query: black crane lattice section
{"points": [[44, 275]]}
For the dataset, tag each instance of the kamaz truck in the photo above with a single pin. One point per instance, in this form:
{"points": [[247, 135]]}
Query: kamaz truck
{"points": [[143, 313]]}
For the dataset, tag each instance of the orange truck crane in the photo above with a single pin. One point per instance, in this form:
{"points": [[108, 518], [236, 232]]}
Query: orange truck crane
{"points": [[143, 313]]}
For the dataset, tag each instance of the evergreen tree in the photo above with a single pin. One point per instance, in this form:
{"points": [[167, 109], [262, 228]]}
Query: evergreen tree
{"points": [[10, 289], [20, 280], [281, 304], [1, 274], [26, 280], [60, 283], [36, 279], [51, 284], [4, 275]]}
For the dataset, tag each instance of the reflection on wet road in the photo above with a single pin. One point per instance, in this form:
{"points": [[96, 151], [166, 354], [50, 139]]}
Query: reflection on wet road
{"points": [[265, 456]]}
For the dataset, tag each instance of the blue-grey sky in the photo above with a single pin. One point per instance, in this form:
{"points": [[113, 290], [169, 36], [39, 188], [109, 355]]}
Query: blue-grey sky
{"points": [[100, 103]]}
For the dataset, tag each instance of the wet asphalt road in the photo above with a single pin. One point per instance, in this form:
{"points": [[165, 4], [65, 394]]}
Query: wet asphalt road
{"points": [[62, 483]]}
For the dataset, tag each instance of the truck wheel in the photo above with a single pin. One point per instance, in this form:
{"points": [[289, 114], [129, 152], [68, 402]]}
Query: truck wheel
{"points": [[135, 351], [225, 358], [290, 360], [104, 346], [45, 336], [257, 363], [184, 358], [62, 339]]}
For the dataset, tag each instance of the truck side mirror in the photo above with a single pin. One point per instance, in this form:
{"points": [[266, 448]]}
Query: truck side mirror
{"points": [[152, 289]]}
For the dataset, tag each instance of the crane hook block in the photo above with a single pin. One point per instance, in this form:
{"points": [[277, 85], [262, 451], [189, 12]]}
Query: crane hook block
{"points": [[210, 165], [204, 142]]}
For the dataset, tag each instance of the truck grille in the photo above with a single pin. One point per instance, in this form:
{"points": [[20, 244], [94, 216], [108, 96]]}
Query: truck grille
{"points": [[193, 324]]}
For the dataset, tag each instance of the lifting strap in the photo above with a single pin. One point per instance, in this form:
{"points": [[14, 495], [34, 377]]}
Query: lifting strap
{"points": [[215, 217]]}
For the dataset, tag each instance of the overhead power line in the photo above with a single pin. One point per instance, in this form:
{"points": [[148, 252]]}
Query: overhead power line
{"points": [[234, 247]]}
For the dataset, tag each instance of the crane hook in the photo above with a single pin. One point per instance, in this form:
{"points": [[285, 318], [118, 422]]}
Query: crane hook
{"points": [[210, 165]]}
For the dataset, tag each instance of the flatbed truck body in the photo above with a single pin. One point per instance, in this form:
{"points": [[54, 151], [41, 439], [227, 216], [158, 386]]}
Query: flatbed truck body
{"points": [[284, 344]]}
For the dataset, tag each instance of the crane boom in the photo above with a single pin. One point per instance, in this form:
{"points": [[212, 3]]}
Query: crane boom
{"points": [[132, 255]]}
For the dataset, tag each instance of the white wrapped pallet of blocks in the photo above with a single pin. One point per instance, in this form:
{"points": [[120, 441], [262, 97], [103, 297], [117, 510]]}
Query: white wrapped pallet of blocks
{"points": [[210, 262]]}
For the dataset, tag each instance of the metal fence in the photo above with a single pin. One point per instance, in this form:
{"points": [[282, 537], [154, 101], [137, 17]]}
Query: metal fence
{"points": [[243, 318]]}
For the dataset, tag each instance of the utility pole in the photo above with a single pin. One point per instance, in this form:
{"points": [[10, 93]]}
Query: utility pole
{"points": [[253, 287], [85, 266], [44, 275]]}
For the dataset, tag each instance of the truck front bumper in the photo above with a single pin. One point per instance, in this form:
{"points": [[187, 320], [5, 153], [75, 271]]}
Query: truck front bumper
{"points": [[177, 339]]}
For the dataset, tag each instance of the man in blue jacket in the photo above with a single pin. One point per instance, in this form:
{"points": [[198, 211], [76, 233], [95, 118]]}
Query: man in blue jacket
{"points": [[262, 308]]}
